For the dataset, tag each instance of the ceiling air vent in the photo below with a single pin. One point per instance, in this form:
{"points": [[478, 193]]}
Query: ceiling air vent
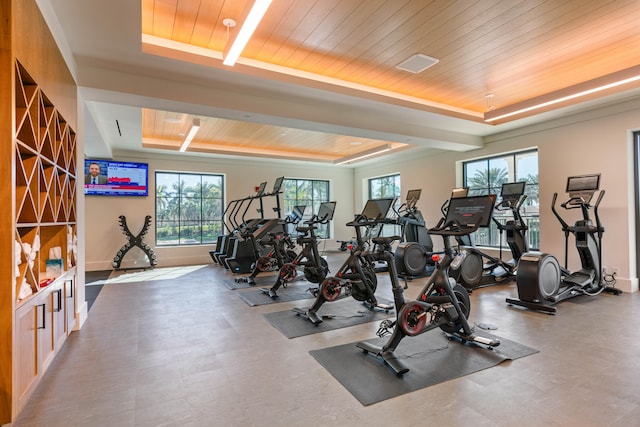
{"points": [[417, 63]]}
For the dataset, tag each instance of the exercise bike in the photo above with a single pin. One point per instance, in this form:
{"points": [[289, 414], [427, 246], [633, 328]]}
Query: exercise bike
{"points": [[480, 269], [281, 248], [541, 282], [357, 275], [442, 303], [314, 266]]}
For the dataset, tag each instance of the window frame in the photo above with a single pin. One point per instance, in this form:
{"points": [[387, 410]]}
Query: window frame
{"points": [[316, 199], [491, 237], [203, 220], [387, 229]]}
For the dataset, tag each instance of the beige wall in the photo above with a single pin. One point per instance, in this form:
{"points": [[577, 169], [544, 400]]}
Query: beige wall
{"points": [[595, 142], [104, 237]]}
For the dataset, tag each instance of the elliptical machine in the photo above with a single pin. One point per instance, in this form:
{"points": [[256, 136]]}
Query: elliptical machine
{"points": [[481, 269], [357, 275], [315, 267], [541, 281], [442, 303], [413, 254]]}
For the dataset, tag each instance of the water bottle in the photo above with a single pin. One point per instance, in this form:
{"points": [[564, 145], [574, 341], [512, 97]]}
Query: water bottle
{"points": [[457, 260]]}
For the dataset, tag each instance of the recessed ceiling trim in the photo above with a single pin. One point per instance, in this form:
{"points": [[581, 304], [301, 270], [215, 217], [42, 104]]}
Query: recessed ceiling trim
{"points": [[580, 90], [194, 54], [363, 155]]}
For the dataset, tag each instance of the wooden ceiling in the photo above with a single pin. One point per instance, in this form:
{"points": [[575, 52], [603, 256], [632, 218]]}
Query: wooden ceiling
{"points": [[514, 50], [167, 130]]}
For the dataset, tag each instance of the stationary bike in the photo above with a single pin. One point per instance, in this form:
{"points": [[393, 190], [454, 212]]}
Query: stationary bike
{"points": [[357, 275], [315, 267], [281, 248], [441, 303], [481, 269], [541, 281]]}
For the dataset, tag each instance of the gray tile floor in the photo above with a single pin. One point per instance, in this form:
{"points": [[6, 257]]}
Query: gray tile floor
{"points": [[174, 347]]}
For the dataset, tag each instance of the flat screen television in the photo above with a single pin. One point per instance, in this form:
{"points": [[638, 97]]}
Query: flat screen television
{"points": [[114, 178]]}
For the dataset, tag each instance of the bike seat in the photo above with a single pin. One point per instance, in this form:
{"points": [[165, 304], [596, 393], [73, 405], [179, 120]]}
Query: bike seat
{"points": [[305, 229], [386, 240]]}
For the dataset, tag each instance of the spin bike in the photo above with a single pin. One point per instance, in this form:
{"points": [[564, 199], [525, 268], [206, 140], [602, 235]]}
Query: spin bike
{"points": [[315, 267], [357, 275], [442, 303], [480, 269], [541, 281], [281, 248]]}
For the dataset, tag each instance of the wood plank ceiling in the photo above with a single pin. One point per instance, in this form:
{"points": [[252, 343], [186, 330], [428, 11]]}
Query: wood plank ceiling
{"points": [[514, 50]]}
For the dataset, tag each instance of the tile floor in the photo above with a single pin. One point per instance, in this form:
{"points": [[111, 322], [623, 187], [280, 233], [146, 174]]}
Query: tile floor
{"points": [[175, 347]]}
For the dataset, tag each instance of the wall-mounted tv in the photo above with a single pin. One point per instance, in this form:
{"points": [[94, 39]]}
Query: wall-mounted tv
{"points": [[113, 178]]}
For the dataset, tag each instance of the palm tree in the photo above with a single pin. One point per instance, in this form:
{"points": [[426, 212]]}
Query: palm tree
{"points": [[487, 180]]}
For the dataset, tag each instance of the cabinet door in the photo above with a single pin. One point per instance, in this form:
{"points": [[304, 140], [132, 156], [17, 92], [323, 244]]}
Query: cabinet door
{"points": [[70, 302], [58, 314], [44, 325], [26, 359]]}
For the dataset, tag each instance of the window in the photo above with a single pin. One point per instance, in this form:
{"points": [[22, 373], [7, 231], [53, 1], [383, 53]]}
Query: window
{"points": [[486, 176], [309, 193], [189, 208], [386, 187]]}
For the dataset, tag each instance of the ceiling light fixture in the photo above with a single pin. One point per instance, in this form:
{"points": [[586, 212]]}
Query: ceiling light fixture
{"points": [[192, 133], [255, 15], [363, 155], [582, 89]]}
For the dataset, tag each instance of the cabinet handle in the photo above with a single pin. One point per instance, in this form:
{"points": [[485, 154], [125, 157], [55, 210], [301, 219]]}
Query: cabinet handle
{"points": [[59, 306], [44, 316], [69, 282]]}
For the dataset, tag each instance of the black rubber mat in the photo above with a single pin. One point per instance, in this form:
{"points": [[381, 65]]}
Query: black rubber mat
{"points": [[292, 292], [431, 357], [260, 282], [336, 315]]}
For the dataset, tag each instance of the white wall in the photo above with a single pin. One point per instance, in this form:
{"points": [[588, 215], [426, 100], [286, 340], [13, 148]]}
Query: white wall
{"points": [[104, 237], [594, 142]]}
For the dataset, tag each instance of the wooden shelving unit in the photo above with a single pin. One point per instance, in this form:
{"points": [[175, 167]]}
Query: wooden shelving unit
{"points": [[45, 218], [45, 186], [38, 202]]}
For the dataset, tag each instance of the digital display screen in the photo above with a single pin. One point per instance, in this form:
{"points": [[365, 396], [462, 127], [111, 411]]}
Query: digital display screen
{"points": [[113, 178]]}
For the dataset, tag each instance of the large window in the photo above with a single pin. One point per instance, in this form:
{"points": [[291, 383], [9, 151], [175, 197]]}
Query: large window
{"points": [[386, 187], [309, 193], [486, 176], [189, 208]]}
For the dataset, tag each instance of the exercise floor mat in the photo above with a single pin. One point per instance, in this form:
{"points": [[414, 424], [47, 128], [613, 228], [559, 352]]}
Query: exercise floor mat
{"points": [[260, 282], [335, 315], [293, 292], [432, 358]]}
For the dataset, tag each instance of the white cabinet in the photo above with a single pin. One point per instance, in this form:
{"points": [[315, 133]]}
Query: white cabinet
{"points": [[42, 326]]}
